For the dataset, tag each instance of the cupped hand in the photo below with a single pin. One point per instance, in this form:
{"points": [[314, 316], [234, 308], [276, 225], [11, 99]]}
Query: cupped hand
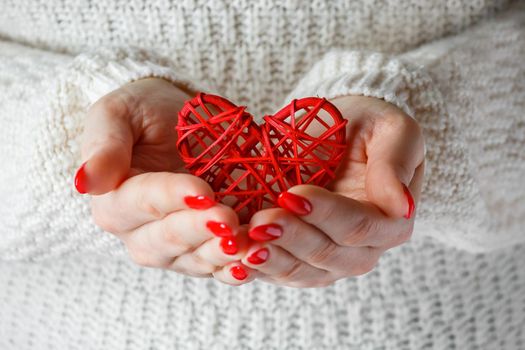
{"points": [[166, 218], [321, 235]]}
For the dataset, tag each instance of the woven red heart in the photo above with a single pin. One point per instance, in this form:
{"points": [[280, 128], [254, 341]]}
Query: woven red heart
{"points": [[248, 165]]}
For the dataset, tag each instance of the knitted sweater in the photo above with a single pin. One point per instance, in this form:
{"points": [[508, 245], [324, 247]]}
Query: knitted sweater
{"points": [[458, 69]]}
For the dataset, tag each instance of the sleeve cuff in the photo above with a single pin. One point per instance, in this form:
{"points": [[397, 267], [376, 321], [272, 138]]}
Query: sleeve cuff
{"points": [[56, 220], [342, 73], [106, 70]]}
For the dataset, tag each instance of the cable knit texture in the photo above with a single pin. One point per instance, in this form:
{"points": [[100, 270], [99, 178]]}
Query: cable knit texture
{"points": [[65, 284]]}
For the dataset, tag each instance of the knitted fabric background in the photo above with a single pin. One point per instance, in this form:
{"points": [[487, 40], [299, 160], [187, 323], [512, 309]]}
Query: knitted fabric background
{"points": [[65, 284]]}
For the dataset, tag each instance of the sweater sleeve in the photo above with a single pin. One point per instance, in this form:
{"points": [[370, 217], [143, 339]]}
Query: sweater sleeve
{"points": [[467, 92], [44, 216]]}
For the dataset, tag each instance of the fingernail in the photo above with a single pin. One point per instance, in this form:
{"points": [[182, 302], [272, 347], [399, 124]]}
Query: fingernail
{"points": [[238, 272], [267, 232], [219, 229], [259, 256], [199, 202], [81, 179], [229, 246], [294, 203], [410, 201]]}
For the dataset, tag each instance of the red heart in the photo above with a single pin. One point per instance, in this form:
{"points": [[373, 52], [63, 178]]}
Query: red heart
{"points": [[248, 165]]}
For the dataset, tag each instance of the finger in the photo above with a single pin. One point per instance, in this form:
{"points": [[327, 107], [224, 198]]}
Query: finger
{"points": [[315, 247], [395, 150], [417, 183], [161, 241], [235, 274], [286, 269], [221, 251], [107, 144], [286, 230], [147, 197], [346, 221], [192, 265]]}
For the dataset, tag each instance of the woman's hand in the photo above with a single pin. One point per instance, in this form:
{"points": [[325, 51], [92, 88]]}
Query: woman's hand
{"points": [[320, 236], [167, 219]]}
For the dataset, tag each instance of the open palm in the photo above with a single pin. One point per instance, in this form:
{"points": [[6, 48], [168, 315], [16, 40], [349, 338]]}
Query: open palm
{"points": [[322, 235], [385, 151], [139, 117]]}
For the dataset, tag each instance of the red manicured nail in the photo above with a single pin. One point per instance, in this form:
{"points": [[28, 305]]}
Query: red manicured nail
{"points": [[219, 229], [81, 179], [199, 202], [410, 201], [239, 273], [264, 233], [294, 203], [259, 256], [229, 246]]}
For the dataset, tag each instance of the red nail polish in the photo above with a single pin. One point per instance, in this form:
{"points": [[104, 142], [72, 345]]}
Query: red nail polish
{"points": [[294, 203], [219, 229], [229, 246], [81, 179], [264, 233], [410, 201], [259, 256], [239, 273], [199, 202]]}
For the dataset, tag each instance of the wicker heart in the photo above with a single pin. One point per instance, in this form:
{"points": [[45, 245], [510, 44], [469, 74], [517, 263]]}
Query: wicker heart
{"points": [[248, 165]]}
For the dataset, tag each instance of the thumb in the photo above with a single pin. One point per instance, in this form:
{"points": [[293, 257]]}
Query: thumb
{"points": [[106, 147], [393, 156]]}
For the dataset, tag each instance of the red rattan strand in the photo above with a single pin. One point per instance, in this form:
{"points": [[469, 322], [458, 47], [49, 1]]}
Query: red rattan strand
{"points": [[248, 165]]}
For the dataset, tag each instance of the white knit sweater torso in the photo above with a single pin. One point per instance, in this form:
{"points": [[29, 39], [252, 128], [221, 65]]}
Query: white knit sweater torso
{"points": [[65, 284]]}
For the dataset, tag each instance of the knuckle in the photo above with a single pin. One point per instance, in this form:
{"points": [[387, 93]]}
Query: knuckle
{"points": [[196, 267], [152, 210], [102, 219], [141, 257], [401, 237], [404, 236], [171, 237], [292, 273], [323, 254], [146, 206], [366, 265], [202, 263], [143, 196], [360, 232]]}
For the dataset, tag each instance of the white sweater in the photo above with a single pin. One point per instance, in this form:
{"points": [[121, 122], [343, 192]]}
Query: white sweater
{"points": [[65, 284]]}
